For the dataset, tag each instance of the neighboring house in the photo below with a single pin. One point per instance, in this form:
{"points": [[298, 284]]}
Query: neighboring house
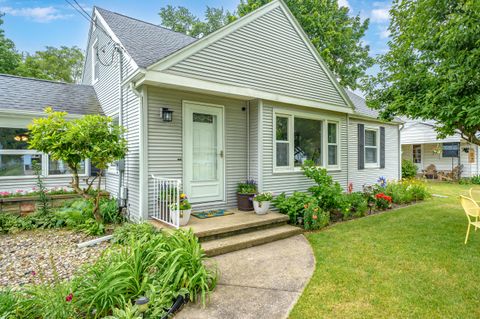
{"points": [[420, 145], [21, 100], [252, 100]]}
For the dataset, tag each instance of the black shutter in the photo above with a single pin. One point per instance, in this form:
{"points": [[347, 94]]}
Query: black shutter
{"points": [[382, 147], [361, 146]]}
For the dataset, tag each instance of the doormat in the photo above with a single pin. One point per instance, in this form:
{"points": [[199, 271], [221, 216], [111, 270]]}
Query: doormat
{"points": [[212, 213]]}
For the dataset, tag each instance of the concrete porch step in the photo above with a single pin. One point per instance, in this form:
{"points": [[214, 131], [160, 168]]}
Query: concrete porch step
{"points": [[245, 240]]}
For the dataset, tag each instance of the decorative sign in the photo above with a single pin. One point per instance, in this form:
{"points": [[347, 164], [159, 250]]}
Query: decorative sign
{"points": [[471, 156]]}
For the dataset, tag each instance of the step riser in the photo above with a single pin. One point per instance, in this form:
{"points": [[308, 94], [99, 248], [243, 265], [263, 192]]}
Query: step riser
{"points": [[245, 230], [248, 244]]}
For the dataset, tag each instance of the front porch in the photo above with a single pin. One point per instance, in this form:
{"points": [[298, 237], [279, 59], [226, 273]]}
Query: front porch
{"points": [[240, 230]]}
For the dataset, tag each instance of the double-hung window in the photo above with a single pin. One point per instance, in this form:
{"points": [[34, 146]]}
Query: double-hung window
{"points": [[371, 147], [299, 138]]}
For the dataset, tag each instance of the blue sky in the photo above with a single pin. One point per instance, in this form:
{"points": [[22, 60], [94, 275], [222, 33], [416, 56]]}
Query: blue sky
{"points": [[34, 24]]}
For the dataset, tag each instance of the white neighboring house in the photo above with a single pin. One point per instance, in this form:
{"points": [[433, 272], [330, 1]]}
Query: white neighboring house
{"points": [[420, 145], [252, 100]]}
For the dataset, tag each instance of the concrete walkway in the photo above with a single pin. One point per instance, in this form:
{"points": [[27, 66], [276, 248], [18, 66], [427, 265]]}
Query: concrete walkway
{"points": [[259, 282]]}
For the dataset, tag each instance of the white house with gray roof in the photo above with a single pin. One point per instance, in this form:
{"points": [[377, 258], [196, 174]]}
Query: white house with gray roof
{"points": [[252, 100]]}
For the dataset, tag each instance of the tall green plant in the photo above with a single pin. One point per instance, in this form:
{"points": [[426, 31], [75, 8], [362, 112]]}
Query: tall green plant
{"points": [[44, 201]]}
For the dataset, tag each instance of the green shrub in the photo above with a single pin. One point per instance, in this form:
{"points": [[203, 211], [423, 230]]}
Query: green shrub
{"points": [[131, 231], [328, 192], [356, 204], [293, 206], [409, 169], [314, 217], [110, 211], [418, 189], [475, 179], [398, 192]]}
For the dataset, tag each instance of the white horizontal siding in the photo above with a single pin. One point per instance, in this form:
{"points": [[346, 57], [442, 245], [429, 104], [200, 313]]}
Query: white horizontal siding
{"points": [[441, 163], [296, 181], [267, 54], [419, 133], [369, 176], [253, 140], [165, 140]]}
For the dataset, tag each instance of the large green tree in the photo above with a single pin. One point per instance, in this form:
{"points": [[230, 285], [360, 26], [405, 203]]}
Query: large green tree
{"points": [[180, 19], [58, 64], [333, 31], [9, 57], [432, 70]]}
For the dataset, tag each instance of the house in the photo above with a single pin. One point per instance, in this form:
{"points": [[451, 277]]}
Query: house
{"points": [[21, 100], [420, 144], [252, 100]]}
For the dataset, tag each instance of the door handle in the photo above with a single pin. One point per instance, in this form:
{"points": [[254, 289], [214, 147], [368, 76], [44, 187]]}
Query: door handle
{"points": [[221, 154]]}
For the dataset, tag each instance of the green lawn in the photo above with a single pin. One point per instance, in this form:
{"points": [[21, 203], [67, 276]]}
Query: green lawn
{"points": [[407, 263]]}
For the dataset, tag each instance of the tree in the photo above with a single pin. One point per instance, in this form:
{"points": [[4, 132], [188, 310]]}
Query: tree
{"points": [[335, 34], [93, 137], [432, 70], [180, 19], [57, 64], [9, 57]]}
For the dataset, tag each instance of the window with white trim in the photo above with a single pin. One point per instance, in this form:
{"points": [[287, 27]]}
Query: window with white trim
{"points": [[95, 62], [282, 141], [15, 157], [372, 147], [298, 138], [60, 168], [332, 143]]}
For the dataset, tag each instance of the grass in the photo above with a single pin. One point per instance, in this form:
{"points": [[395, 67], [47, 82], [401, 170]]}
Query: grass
{"points": [[408, 263]]}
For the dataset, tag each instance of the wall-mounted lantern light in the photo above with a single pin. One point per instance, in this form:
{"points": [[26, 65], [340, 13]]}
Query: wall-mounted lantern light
{"points": [[466, 149], [166, 114]]}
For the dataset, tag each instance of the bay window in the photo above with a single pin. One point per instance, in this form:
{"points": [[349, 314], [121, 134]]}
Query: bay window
{"points": [[17, 160], [371, 147], [298, 138]]}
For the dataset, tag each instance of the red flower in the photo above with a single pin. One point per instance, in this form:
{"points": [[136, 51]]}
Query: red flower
{"points": [[69, 297]]}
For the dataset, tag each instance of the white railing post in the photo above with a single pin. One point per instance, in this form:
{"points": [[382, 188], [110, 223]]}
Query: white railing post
{"points": [[166, 194]]}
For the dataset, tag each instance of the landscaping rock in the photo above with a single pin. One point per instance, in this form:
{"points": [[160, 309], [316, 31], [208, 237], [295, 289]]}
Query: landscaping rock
{"points": [[43, 256]]}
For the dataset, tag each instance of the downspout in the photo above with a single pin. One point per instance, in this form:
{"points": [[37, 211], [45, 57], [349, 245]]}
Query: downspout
{"points": [[121, 176], [248, 139], [400, 128], [348, 150]]}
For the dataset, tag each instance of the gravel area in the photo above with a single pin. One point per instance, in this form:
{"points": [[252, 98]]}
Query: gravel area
{"points": [[35, 256]]}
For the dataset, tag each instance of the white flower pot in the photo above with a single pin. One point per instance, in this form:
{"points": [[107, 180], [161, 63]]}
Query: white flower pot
{"points": [[261, 208], [183, 214]]}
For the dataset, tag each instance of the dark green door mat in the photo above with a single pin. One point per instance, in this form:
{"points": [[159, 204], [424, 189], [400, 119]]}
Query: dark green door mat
{"points": [[212, 213]]}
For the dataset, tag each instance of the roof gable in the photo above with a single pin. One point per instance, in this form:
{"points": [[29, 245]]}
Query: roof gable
{"points": [[265, 50], [145, 42]]}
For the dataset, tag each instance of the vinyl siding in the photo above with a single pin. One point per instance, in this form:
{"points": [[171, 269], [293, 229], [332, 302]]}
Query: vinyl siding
{"points": [[267, 54], [253, 141], [441, 163], [369, 176], [289, 182], [108, 92], [419, 133], [165, 140]]}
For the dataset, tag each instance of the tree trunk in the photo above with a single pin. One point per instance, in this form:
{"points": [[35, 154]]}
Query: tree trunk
{"points": [[76, 183]]}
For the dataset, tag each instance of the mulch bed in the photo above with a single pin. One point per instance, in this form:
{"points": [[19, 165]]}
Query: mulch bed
{"points": [[42, 255]]}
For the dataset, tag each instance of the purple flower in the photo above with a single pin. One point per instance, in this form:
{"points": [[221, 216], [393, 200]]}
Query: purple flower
{"points": [[382, 180]]}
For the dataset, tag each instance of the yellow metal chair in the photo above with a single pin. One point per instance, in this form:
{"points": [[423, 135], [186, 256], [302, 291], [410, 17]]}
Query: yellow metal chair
{"points": [[474, 194], [472, 209]]}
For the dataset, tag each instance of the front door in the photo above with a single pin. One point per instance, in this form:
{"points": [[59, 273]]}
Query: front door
{"points": [[203, 152], [417, 155]]}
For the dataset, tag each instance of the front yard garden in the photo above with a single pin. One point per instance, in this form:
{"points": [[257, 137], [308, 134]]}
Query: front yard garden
{"points": [[410, 262]]}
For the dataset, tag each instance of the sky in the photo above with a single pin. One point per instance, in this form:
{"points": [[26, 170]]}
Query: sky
{"points": [[34, 24]]}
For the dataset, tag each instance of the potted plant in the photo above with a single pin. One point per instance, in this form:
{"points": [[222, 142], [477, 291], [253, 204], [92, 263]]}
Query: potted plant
{"points": [[245, 192], [261, 203], [183, 211]]}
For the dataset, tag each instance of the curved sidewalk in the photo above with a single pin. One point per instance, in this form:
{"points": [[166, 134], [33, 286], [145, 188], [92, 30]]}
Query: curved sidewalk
{"points": [[259, 282]]}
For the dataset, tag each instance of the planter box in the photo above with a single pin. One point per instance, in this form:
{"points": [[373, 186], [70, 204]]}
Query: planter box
{"points": [[24, 205]]}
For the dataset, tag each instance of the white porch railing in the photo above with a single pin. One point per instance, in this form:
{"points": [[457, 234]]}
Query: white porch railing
{"points": [[166, 194]]}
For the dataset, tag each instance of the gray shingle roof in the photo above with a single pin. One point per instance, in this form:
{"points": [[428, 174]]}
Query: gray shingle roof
{"points": [[145, 42], [361, 107], [28, 94]]}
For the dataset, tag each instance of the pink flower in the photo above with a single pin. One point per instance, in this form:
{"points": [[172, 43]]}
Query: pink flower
{"points": [[69, 297], [33, 272], [19, 191]]}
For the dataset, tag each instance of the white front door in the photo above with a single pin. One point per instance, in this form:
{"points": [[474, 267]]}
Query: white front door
{"points": [[203, 165]]}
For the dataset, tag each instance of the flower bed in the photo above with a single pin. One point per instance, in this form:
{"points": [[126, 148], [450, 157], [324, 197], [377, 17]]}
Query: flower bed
{"points": [[26, 204]]}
